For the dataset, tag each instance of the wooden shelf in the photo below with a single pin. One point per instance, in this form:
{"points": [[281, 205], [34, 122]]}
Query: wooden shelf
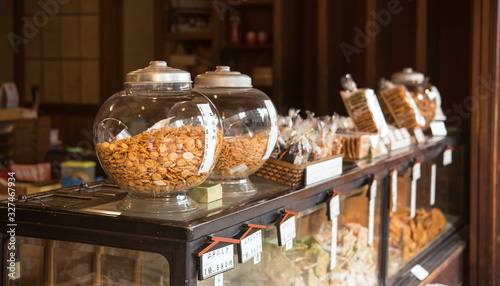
{"points": [[197, 36], [256, 2], [248, 47]]}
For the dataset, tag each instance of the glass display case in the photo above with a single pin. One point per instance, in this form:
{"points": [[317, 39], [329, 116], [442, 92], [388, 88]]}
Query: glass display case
{"points": [[53, 262], [339, 231]]}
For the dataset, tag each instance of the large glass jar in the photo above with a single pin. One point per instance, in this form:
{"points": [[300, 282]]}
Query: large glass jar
{"points": [[250, 127], [157, 139], [423, 93]]}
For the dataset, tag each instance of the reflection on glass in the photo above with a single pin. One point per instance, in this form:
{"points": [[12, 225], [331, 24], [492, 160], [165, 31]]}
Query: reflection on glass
{"points": [[59, 263]]}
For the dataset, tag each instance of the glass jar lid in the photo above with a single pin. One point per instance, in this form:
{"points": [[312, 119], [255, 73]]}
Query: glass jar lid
{"points": [[407, 75], [157, 72], [222, 77]]}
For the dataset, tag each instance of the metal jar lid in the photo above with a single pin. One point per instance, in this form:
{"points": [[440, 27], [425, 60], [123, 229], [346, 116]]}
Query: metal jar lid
{"points": [[407, 75], [222, 77], [158, 72]]}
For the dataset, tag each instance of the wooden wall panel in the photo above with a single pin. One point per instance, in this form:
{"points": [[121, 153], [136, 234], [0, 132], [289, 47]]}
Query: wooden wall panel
{"points": [[485, 130]]}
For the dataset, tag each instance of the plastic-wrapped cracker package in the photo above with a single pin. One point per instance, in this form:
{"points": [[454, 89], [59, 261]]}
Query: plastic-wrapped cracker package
{"points": [[363, 107], [399, 106]]}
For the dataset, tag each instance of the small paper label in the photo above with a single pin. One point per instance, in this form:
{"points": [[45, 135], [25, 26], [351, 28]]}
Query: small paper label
{"points": [[334, 206], [405, 133], [210, 121], [257, 258], [241, 168], [333, 250], [447, 157], [371, 210], [250, 246], [419, 272], [438, 128], [400, 144], [217, 261], [287, 231], [219, 280], [398, 134], [9, 97], [273, 135], [299, 160], [324, 170], [392, 137], [416, 171], [394, 189], [413, 205], [433, 184], [419, 135]]}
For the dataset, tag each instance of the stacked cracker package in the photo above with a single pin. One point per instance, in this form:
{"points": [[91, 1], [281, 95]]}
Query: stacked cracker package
{"points": [[363, 107]]}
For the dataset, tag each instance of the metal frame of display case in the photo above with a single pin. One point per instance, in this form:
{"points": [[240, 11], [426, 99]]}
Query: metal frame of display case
{"points": [[179, 240]]}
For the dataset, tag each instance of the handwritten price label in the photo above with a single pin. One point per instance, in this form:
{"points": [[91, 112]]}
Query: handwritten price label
{"points": [[286, 231], [216, 261], [250, 246]]}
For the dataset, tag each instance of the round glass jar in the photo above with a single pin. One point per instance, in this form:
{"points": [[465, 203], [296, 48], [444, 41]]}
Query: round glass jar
{"points": [[423, 93], [157, 139], [250, 127]]}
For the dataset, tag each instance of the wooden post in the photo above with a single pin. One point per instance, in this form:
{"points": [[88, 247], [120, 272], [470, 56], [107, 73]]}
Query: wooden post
{"points": [[485, 129]]}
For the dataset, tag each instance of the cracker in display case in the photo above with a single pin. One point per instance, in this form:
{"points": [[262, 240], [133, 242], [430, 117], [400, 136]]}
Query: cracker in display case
{"points": [[355, 145], [363, 107], [399, 106]]}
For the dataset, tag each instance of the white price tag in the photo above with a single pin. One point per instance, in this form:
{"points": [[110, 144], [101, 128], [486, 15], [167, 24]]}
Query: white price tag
{"points": [[419, 272], [257, 258], [416, 171], [447, 157], [433, 184], [334, 206], [392, 137], [438, 128], [419, 135], [250, 246], [219, 280], [371, 212], [287, 231], [273, 133], [405, 133], [394, 189], [333, 248], [217, 261], [210, 121], [317, 172], [413, 204], [398, 134]]}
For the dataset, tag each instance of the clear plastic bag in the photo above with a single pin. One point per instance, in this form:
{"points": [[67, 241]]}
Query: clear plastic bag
{"points": [[399, 104], [363, 107]]}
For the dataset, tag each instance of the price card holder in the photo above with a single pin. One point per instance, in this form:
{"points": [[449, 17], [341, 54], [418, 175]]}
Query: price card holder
{"points": [[419, 272], [394, 189], [286, 229], [433, 184], [250, 243], [316, 172], [216, 258], [333, 211], [448, 156], [371, 209]]}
